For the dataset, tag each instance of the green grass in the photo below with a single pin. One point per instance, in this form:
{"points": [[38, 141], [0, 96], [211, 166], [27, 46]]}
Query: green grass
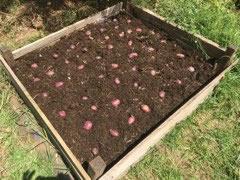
{"points": [[207, 144], [16, 153]]}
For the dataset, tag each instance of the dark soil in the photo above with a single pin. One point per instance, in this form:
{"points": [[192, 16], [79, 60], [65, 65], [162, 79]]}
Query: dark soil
{"points": [[96, 81]]}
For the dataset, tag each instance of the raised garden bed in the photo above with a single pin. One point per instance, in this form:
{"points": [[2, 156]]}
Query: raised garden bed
{"points": [[108, 91]]}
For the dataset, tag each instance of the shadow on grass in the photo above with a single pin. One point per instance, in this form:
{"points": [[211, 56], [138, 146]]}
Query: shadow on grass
{"points": [[29, 175], [52, 15]]}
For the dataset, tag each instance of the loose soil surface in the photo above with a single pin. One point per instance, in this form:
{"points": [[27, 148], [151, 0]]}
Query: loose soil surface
{"points": [[90, 83]]}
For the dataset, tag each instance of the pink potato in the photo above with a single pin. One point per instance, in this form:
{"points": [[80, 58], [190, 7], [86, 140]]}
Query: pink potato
{"points": [[116, 102], [88, 125], [84, 98], [102, 30], [50, 73], [163, 41], [94, 107], [34, 66], [133, 55], [130, 43], [36, 79], [114, 132], [80, 67], [131, 119], [138, 30], [59, 84], [178, 81], [162, 94], [145, 108], [62, 114], [114, 66], [55, 55], [117, 81]]}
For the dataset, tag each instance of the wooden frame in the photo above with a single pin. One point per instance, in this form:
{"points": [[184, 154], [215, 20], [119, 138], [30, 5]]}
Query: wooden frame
{"points": [[223, 60]]}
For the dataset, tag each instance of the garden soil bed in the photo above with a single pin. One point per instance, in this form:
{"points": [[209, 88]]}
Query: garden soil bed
{"points": [[97, 66]]}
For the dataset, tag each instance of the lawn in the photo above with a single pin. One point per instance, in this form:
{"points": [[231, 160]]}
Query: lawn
{"points": [[205, 146]]}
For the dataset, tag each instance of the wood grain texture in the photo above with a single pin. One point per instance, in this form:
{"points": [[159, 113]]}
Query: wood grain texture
{"points": [[189, 40]]}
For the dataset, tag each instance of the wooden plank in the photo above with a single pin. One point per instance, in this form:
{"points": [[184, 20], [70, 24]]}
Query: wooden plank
{"points": [[196, 42], [142, 148], [54, 37], [58, 141]]}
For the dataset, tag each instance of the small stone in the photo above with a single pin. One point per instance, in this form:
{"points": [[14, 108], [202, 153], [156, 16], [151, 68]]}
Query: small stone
{"points": [[84, 49], [135, 84], [150, 49], [181, 56], [191, 69], [55, 55], [84, 98], [50, 73], [163, 41], [67, 61], [72, 46], [121, 34], [95, 151], [130, 43], [101, 76], [134, 68], [129, 31], [106, 37], [98, 57], [45, 94], [117, 81], [110, 46], [178, 81], [81, 67], [88, 33], [153, 72]]}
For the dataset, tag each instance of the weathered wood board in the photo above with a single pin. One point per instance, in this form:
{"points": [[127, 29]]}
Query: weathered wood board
{"points": [[207, 47]]}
